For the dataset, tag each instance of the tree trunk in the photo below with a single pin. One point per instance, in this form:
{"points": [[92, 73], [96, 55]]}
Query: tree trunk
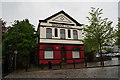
{"points": [[27, 64], [102, 61]]}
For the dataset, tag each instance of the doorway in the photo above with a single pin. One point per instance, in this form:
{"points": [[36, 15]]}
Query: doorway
{"points": [[63, 54]]}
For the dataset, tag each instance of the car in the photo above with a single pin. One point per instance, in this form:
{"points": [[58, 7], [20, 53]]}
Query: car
{"points": [[104, 55], [117, 54], [97, 55], [113, 54], [109, 54]]}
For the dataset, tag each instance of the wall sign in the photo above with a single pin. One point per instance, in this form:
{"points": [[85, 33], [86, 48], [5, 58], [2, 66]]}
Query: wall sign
{"points": [[61, 25]]}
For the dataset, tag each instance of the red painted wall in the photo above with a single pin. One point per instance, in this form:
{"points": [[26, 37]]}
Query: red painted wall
{"points": [[57, 53]]}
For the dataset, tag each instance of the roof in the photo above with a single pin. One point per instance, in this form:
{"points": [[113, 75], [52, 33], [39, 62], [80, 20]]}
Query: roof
{"points": [[45, 20]]}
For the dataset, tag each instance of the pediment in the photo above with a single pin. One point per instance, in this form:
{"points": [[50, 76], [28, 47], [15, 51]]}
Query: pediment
{"points": [[62, 17]]}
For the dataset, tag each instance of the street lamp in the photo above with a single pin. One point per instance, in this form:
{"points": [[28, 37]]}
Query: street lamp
{"points": [[15, 52]]}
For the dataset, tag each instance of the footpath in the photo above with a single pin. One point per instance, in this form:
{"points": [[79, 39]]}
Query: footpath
{"points": [[93, 70], [98, 72]]}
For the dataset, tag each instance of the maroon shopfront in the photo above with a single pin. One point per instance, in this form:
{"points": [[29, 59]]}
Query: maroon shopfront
{"points": [[61, 53]]}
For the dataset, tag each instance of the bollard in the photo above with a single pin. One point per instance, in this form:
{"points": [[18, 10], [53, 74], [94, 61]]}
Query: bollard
{"points": [[42, 66], [49, 65], [74, 63], [103, 63], [60, 65], [85, 62]]}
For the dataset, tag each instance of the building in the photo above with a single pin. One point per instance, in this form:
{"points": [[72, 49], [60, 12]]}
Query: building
{"points": [[60, 39]]}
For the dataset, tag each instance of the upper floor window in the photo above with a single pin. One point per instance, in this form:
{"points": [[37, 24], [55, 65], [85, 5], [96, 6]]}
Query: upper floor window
{"points": [[75, 35], [62, 33], [48, 33], [56, 32], [69, 33]]}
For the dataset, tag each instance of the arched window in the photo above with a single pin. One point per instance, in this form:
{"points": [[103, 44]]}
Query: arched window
{"points": [[62, 33], [75, 35], [76, 53], [49, 53], [48, 33]]}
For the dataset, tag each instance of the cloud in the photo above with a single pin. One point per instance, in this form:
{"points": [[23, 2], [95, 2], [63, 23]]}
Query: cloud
{"points": [[35, 11]]}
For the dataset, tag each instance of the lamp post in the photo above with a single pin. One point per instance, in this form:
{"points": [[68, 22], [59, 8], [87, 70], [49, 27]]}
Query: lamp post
{"points": [[15, 52]]}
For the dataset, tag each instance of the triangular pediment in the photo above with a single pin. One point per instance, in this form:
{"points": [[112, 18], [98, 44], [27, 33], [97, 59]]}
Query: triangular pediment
{"points": [[62, 17]]}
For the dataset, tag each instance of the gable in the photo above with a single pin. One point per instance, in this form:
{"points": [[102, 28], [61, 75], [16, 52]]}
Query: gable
{"points": [[62, 17]]}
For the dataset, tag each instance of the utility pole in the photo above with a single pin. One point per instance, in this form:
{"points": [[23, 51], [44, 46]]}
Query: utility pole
{"points": [[16, 51]]}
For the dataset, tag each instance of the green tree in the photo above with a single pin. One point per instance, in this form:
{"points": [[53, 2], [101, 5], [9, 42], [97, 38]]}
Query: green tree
{"points": [[90, 48], [99, 30], [118, 33], [21, 38]]}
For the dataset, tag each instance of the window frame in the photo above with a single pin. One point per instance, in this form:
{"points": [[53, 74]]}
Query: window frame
{"points": [[48, 33], [78, 54], [75, 34], [46, 50], [62, 33]]}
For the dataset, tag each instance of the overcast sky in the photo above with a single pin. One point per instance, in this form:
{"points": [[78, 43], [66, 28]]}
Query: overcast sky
{"points": [[35, 11]]}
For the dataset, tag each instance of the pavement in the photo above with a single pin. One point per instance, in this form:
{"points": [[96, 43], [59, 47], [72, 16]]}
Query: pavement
{"points": [[98, 72], [114, 61], [93, 70]]}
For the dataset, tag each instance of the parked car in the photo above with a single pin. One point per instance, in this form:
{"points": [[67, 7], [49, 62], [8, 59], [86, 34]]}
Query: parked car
{"points": [[117, 54], [114, 55], [97, 55], [110, 54], [104, 55]]}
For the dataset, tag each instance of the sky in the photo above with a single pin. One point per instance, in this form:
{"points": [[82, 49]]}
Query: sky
{"points": [[39, 10]]}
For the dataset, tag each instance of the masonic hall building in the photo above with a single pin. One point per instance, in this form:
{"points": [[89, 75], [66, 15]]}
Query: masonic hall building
{"points": [[60, 39]]}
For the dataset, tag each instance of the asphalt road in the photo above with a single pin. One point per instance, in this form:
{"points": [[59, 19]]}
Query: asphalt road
{"points": [[99, 72]]}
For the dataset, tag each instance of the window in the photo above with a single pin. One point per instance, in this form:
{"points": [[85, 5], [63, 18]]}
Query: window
{"points": [[49, 53], [75, 35], [76, 53], [48, 33], [56, 33], [69, 33], [62, 34]]}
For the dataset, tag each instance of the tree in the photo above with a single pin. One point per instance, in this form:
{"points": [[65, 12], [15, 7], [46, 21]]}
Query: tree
{"points": [[90, 48], [21, 38], [118, 33], [99, 30]]}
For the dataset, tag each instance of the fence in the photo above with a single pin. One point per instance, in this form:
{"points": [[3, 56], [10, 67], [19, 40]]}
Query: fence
{"points": [[107, 61], [112, 61]]}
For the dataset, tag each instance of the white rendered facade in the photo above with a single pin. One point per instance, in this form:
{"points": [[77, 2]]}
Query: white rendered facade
{"points": [[60, 21]]}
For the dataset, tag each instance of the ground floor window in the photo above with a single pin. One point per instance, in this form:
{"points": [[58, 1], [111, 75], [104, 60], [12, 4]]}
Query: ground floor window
{"points": [[49, 53], [76, 53]]}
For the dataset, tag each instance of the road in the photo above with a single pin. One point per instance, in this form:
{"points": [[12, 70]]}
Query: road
{"points": [[99, 72]]}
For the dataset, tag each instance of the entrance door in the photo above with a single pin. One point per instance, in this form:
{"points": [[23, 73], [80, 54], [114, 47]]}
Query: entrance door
{"points": [[63, 54]]}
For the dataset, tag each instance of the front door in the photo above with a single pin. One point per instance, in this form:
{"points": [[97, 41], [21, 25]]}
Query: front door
{"points": [[63, 54]]}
